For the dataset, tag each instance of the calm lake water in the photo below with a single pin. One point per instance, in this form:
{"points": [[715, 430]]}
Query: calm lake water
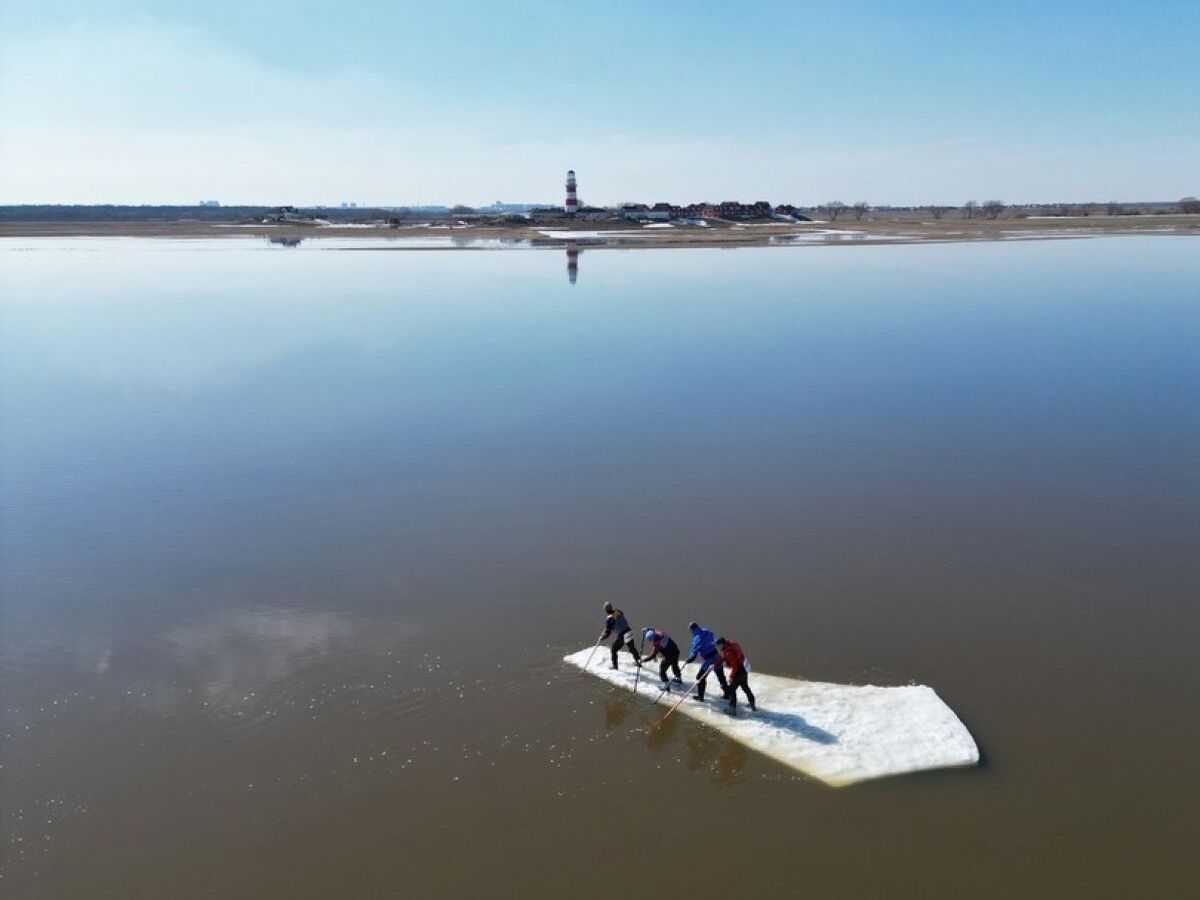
{"points": [[294, 540]]}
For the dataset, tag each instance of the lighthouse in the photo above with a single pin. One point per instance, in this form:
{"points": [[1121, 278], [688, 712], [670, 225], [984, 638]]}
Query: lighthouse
{"points": [[572, 205]]}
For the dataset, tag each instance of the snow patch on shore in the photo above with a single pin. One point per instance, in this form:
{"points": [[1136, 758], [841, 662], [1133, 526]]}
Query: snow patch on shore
{"points": [[838, 733], [584, 235]]}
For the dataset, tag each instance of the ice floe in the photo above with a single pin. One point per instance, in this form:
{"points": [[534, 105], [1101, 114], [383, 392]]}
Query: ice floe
{"points": [[837, 733]]}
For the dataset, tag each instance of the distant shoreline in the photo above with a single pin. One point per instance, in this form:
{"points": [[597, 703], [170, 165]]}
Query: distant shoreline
{"points": [[911, 228]]}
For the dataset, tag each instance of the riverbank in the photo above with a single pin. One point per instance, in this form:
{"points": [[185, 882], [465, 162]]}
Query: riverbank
{"points": [[876, 229]]}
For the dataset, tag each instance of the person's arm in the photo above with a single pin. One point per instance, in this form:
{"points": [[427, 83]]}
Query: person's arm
{"points": [[654, 648], [608, 627], [695, 650]]}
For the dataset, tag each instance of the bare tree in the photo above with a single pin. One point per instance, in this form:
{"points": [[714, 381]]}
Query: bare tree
{"points": [[970, 208], [937, 211], [1114, 208], [833, 209], [1086, 209], [993, 208], [1189, 205], [861, 208]]}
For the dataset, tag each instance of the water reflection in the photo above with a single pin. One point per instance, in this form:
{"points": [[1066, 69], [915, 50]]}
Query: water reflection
{"points": [[236, 652], [573, 254], [616, 711], [660, 733], [285, 241], [723, 758]]}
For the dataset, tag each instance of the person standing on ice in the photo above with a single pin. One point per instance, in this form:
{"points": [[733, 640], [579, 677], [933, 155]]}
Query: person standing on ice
{"points": [[739, 671], [616, 623], [661, 643], [705, 647]]}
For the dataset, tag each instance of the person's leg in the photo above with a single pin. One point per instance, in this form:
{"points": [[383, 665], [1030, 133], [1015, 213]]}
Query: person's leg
{"points": [[719, 670], [637, 657], [662, 669], [740, 680], [746, 688], [616, 648], [700, 685], [675, 667]]}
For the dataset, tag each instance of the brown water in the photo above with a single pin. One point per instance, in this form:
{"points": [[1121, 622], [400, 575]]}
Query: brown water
{"points": [[293, 542]]}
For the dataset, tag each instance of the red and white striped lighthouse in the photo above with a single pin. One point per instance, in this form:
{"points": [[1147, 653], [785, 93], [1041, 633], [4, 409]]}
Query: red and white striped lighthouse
{"points": [[572, 205]]}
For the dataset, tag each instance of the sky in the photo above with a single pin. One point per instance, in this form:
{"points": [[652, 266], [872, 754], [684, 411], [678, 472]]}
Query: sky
{"points": [[399, 103]]}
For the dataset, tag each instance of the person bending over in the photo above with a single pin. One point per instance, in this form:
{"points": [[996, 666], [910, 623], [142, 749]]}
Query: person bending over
{"points": [[739, 672], [662, 645], [705, 647]]}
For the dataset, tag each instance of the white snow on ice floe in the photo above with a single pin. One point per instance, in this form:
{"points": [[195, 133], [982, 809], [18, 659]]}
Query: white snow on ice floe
{"points": [[838, 733]]}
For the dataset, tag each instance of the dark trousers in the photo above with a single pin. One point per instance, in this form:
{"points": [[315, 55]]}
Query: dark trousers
{"points": [[715, 669], [670, 662], [741, 679], [624, 639]]}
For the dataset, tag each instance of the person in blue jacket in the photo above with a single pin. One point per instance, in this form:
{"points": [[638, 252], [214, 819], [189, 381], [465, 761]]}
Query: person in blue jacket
{"points": [[704, 645]]}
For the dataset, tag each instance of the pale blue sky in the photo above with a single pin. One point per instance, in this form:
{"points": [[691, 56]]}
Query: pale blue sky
{"points": [[392, 103]]}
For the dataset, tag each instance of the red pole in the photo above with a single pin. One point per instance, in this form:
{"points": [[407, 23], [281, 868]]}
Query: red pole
{"points": [[703, 673]]}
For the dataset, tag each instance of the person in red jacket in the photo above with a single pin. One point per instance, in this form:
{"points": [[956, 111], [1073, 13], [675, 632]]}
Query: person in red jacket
{"points": [[739, 673]]}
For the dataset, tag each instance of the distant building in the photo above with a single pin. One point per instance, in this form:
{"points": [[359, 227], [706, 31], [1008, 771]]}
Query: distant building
{"points": [[210, 202], [640, 212], [786, 209], [285, 214]]}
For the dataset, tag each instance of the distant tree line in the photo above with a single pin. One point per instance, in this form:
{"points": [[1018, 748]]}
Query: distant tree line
{"points": [[113, 213]]}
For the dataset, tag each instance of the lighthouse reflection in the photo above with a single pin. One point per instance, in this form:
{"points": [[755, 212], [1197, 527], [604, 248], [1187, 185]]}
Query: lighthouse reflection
{"points": [[573, 254]]}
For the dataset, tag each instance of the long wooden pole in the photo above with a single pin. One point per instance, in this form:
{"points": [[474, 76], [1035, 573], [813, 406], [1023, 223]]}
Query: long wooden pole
{"points": [[638, 676], [590, 655], [703, 673]]}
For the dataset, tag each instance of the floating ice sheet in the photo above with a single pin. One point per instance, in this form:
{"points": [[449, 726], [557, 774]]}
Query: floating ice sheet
{"points": [[838, 733]]}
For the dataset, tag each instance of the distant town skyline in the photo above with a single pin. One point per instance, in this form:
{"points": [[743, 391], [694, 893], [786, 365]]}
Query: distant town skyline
{"points": [[393, 104]]}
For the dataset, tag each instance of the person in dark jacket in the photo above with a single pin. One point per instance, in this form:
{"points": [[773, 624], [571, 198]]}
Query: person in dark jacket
{"points": [[616, 623], [705, 647], [661, 644], [739, 673]]}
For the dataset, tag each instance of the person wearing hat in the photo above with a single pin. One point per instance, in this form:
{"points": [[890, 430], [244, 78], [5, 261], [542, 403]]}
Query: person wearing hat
{"points": [[739, 671], [661, 643], [705, 647], [616, 623]]}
